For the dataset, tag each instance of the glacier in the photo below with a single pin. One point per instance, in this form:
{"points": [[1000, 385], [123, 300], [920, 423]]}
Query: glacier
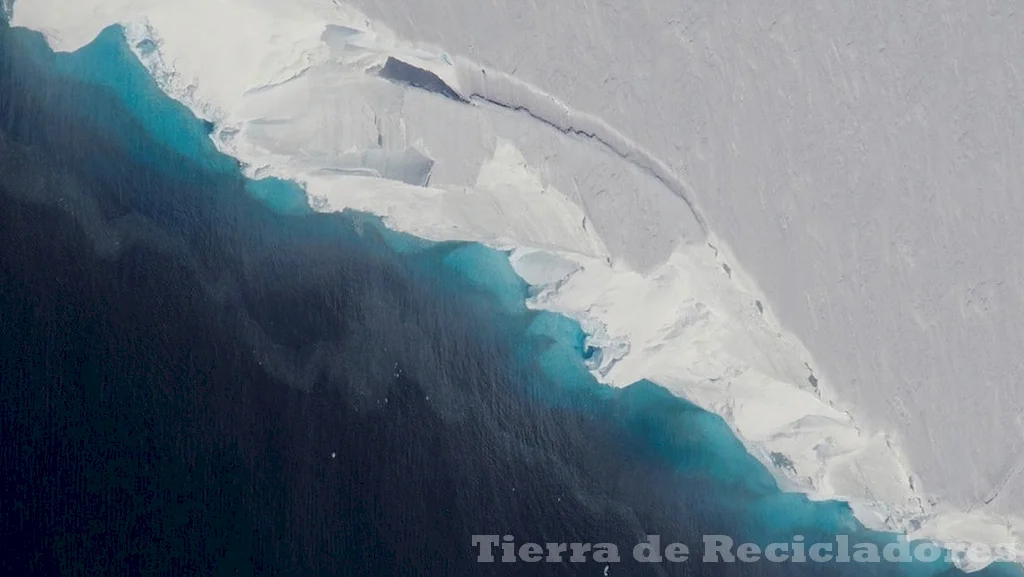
{"points": [[607, 233]]}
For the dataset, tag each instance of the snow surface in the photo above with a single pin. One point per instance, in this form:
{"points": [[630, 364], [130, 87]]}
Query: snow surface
{"points": [[861, 162]]}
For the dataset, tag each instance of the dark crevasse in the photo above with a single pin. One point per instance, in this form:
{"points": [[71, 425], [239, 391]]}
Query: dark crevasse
{"points": [[199, 376]]}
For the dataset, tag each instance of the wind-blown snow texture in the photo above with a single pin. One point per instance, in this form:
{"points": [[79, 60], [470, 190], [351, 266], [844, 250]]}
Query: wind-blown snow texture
{"points": [[605, 230]]}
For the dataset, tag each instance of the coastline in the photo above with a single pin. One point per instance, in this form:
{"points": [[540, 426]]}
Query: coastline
{"points": [[743, 342]]}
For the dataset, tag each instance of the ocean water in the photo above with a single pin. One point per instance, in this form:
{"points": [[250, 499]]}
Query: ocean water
{"points": [[198, 375]]}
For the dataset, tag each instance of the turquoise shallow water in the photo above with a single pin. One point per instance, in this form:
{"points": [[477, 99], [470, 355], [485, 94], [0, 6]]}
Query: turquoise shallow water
{"points": [[234, 340]]}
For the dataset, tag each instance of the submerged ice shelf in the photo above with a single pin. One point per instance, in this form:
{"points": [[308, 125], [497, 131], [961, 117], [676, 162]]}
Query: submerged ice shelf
{"points": [[445, 148]]}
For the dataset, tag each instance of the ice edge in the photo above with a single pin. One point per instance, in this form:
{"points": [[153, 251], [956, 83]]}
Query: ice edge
{"points": [[476, 84]]}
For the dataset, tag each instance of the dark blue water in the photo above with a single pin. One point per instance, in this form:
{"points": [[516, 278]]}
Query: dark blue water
{"points": [[200, 376]]}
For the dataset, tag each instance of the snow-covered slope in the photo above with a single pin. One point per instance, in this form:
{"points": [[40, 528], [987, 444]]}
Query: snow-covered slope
{"points": [[571, 145]]}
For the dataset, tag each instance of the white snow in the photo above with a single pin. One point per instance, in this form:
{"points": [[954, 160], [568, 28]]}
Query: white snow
{"points": [[573, 152]]}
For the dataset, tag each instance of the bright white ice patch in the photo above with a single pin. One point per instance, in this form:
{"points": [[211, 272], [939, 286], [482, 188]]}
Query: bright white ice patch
{"points": [[602, 229]]}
